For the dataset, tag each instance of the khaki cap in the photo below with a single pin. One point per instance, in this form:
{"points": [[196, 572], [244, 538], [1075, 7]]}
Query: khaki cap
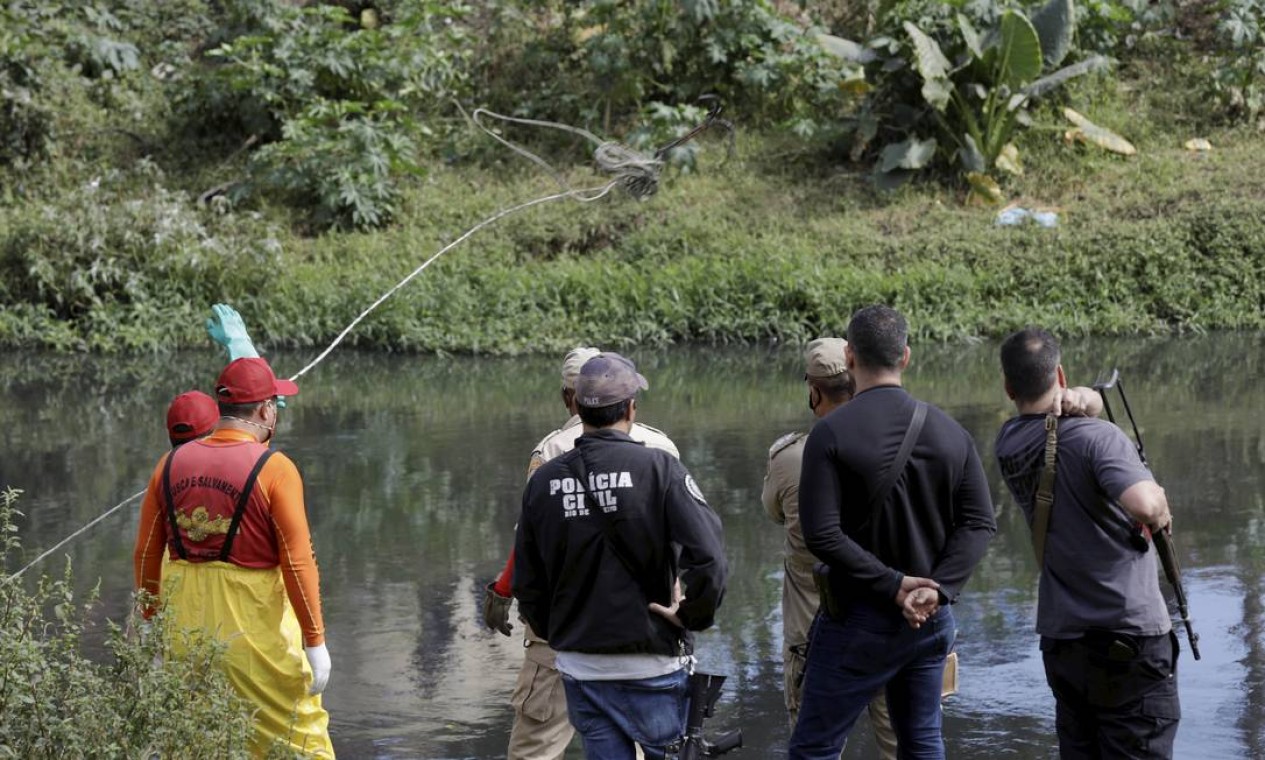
{"points": [[824, 358], [575, 359]]}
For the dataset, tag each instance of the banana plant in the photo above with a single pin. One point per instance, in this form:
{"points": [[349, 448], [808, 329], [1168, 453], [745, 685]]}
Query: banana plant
{"points": [[974, 97]]}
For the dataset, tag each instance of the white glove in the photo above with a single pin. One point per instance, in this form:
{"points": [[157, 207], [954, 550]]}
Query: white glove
{"points": [[318, 658]]}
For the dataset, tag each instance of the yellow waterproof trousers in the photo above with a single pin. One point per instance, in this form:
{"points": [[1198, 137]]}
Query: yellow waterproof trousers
{"points": [[248, 610]]}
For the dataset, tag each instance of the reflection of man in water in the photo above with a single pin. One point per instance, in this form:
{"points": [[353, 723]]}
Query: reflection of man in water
{"points": [[541, 729], [829, 387], [230, 512], [1106, 637], [900, 542], [609, 532]]}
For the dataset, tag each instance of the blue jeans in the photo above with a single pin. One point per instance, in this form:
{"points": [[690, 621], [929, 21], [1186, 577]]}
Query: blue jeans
{"points": [[849, 660], [611, 715]]}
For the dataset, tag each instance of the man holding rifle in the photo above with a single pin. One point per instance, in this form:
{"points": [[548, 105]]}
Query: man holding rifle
{"points": [[1107, 641]]}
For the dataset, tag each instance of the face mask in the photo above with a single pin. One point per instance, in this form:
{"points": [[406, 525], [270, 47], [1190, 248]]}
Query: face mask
{"points": [[272, 429]]}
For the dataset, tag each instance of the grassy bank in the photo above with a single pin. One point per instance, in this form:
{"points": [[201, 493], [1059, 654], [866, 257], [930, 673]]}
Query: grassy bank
{"points": [[780, 243]]}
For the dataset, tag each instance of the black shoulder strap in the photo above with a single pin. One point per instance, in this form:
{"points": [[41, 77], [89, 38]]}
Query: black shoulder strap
{"points": [[171, 506], [879, 499], [242, 501]]}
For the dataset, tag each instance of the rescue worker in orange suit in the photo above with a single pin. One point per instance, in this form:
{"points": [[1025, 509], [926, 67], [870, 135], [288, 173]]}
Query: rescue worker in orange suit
{"points": [[229, 512], [541, 729]]}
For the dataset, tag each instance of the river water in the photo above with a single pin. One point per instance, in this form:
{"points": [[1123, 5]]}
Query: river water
{"points": [[414, 465]]}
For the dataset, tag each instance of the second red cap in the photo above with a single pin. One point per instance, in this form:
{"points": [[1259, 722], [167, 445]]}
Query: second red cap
{"points": [[191, 415]]}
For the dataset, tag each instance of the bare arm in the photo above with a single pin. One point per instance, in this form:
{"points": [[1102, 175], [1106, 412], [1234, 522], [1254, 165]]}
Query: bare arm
{"points": [[1145, 502]]}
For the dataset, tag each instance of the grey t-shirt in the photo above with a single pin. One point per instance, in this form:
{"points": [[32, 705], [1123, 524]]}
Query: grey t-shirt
{"points": [[1092, 577]]}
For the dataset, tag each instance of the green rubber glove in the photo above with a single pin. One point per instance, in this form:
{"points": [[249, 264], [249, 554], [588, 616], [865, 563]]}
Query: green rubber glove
{"points": [[227, 328]]}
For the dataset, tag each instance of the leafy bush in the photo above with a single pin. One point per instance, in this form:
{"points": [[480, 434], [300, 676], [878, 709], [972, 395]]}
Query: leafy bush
{"points": [[973, 88], [1240, 60], [606, 61], [337, 101], [45, 46], [141, 702], [107, 253]]}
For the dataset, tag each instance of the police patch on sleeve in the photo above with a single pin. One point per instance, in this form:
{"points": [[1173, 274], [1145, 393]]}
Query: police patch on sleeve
{"points": [[693, 488]]}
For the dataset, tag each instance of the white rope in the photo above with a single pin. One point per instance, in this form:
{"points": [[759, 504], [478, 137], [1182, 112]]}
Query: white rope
{"points": [[636, 173], [583, 196], [77, 533]]}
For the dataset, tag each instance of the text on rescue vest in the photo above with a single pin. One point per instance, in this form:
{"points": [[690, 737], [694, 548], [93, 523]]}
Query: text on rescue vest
{"points": [[601, 485]]}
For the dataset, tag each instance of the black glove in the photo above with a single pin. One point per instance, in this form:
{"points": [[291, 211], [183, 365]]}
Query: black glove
{"points": [[496, 610]]}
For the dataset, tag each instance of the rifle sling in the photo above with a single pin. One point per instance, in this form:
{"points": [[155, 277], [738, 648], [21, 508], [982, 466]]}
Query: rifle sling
{"points": [[1105, 518], [1045, 490]]}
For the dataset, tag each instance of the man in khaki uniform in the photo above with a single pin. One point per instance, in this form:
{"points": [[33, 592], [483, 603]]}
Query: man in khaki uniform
{"points": [[541, 729], [829, 387]]}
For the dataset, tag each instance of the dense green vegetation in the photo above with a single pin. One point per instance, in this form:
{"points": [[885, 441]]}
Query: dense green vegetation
{"points": [[297, 160], [139, 702]]}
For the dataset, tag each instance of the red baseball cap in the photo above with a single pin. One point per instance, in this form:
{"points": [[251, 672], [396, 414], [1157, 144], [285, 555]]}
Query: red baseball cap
{"points": [[246, 381], [191, 415]]}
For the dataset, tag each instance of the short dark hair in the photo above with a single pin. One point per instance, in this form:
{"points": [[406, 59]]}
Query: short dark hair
{"points": [[1029, 359], [240, 410], [604, 416], [836, 388], [877, 335]]}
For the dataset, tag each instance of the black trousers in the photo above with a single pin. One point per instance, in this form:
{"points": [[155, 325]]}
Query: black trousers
{"points": [[1115, 695]]}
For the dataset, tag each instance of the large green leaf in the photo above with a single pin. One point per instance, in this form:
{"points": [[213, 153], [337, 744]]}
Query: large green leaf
{"points": [[970, 37], [1051, 81], [1019, 51], [933, 67], [969, 155], [907, 154], [1055, 23]]}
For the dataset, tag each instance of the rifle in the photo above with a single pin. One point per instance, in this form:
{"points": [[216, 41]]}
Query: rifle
{"points": [[704, 691], [1163, 539]]}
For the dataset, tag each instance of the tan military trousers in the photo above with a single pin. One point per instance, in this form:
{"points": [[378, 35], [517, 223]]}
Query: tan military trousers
{"points": [[799, 606], [541, 729]]}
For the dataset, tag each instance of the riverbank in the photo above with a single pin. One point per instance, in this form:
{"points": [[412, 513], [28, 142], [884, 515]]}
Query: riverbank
{"points": [[779, 243]]}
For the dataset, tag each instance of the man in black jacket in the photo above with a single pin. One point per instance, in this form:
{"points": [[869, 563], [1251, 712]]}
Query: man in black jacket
{"points": [[900, 541], [609, 533]]}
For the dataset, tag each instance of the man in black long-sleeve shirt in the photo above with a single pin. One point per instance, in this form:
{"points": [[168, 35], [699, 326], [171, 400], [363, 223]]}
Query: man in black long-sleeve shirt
{"points": [[897, 562]]}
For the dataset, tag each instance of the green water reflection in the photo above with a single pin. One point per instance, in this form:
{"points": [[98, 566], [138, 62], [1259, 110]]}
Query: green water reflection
{"points": [[413, 467]]}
